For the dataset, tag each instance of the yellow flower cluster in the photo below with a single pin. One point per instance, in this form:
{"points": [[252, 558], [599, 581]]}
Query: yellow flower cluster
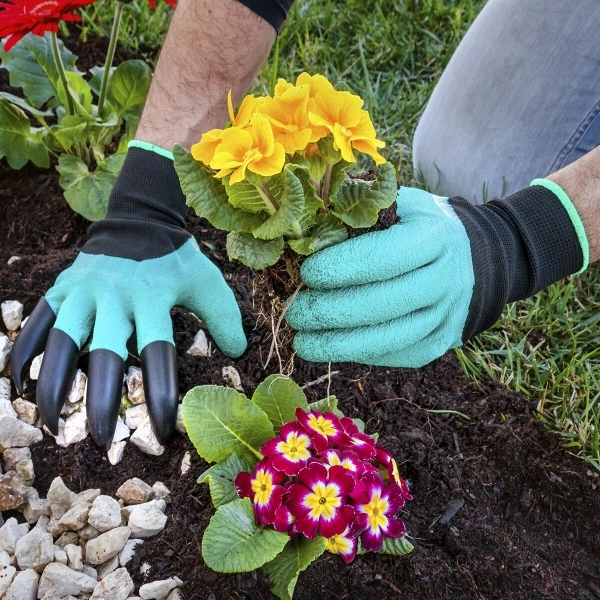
{"points": [[265, 129]]}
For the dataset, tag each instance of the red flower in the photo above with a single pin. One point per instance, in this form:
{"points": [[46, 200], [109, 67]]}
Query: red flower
{"points": [[20, 17], [172, 3]]}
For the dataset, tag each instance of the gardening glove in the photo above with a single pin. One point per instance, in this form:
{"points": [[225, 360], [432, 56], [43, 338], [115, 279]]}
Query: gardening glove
{"points": [[403, 296], [136, 264]]}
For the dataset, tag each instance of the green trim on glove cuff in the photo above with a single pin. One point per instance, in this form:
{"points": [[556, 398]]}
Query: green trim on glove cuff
{"points": [[573, 215], [151, 148]]}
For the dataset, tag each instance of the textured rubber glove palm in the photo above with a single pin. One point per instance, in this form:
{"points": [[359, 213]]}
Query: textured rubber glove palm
{"points": [[136, 265], [403, 296]]}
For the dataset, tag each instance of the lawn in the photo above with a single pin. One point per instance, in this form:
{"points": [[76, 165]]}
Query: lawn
{"points": [[392, 54]]}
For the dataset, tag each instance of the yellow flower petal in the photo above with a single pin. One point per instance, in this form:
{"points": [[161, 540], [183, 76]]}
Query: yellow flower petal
{"points": [[342, 143], [205, 149], [269, 165], [315, 83]]}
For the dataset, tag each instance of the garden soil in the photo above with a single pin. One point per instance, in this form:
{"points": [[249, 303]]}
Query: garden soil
{"points": [[500, 509]]}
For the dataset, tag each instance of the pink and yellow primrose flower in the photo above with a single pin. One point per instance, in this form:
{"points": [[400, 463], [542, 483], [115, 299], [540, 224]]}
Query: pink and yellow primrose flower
{"points": [[322, 428], [382, 505], [285, 521], [345, 544], [262, 488], [361, 443], [383, 457], [352, 463], [318, 501], [290, 451]]}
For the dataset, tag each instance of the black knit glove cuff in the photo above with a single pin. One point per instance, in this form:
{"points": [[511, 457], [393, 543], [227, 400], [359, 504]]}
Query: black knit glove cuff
{"points": [[519, 246]]}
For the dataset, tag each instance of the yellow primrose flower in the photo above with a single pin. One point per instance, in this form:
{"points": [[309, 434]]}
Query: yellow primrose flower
{"points": [[342, 115], [252, 148], [245, 110], [204, 150], [315, 83]]}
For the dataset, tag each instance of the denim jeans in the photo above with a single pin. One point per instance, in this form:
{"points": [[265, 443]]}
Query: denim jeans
{"points": [[519, 99]]}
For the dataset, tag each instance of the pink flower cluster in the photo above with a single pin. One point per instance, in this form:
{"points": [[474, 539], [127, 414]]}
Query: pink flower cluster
{"points": [[322, 475]]}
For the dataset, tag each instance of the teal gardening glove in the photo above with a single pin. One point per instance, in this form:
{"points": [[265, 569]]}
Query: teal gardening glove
{"points": [[135, 266], [404, 296]]}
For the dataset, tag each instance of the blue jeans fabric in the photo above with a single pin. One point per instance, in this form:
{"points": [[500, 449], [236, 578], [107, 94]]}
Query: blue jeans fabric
{"points": [[519, 99]]}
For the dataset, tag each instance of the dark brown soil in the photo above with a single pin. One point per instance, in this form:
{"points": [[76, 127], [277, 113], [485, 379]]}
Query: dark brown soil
{"points": [[501, 511]]}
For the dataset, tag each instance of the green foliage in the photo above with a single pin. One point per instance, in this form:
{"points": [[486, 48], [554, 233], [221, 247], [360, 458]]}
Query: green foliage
{"points": [[234, 543], [220, 478], [279, 397], [284, 569], [128, 87], [328, 404], [247, 249], [220, 421], [397, 547]]}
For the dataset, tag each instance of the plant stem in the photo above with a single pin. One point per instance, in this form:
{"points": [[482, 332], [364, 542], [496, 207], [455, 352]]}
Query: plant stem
{"points": [[114, 34], [265, 188], [62, 73], [326, 183]]}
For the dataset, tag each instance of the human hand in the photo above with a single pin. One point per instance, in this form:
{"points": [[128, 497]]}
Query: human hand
{"points": [[136, 265], [403, 296]]}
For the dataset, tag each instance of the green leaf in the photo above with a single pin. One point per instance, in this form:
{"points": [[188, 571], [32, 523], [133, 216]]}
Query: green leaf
{"points": [[328, 404], [234, 543], [115, 162], [338, 176], [220, 421], [257, 254], [312, 202], [327, 232], [279, 397], [25, 105], [288, 191], [128, 87], [207, 196], [358, 203], [86, 192], [220, 478], [31, 67], [73, 129], [17, 140], [284, 569], [80, 92], [131, 125], [397, 546], [360, 424], [248, 197]]}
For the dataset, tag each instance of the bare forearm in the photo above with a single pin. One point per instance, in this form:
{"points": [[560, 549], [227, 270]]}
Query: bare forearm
{"points": [[211, 48], [581, 181]]}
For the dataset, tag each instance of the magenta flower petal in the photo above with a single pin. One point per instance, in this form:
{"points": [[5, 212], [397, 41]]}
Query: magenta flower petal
{"points": [[291, 450], [396, 529], [314, 473], [372, 540], [334, 525], [284, 519], [394, 475], [243, 483], [322, 428]]}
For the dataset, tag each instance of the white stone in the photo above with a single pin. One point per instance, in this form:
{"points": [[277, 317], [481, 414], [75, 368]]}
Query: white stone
{"points": [[13, 259], [36, 549], [12, 313], [4, 388], [25, 411], [76, 427], [232, 377], [75, 518], [5, 346], [186, 463], [60, 556], [77, 388], [10, 535], [161, 491], [159, 590], [135, 491], [115, 453], [145, 521], [135, 415], [121, 431], [90, 571], [34, 370], [176, 595], [161, 505], [116, 586], [106, 568], [16, 434], [24, 586], [24, 321], [143, 437], [74, 556], [107, 545], [6, 408], [4, 559], [200, 346], [60, 498], [128, 551], [24, 528], [88, 533], [86, 497], [35, 507], [180, 426], [135, 386], [68, 537], [26, 472], [13, 491], [145, 568], [6, 578], [105, 514], [62, 581], [13, 456]]}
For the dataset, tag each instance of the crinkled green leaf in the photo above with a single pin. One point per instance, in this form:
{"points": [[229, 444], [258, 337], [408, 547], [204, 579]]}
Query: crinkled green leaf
{"points": [[21, 103], [73, 129], [324, 405], [207, 196], [86, 192], [327, 231], [397, 546], [284, 569], [128, 87], [31, 67], [234, 543], [17, 140], [246, 196], [279, 397], [338, 176], [312, 202], [220, 478], [257, 254], [220, 421], [358, 203]]}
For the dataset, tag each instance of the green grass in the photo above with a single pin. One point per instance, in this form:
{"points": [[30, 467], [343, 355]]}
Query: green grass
{"points": [[392, 53]]}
